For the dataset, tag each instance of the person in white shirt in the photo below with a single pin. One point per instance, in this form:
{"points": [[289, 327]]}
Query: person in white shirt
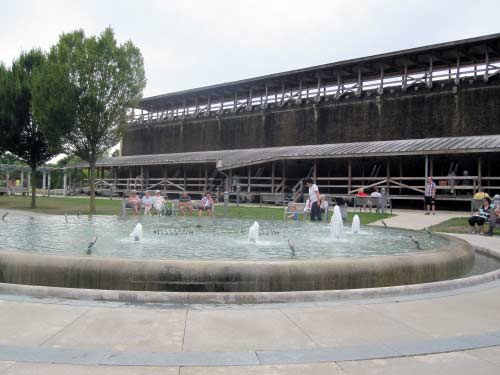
{"points": [[314, 200], [377, 201]]}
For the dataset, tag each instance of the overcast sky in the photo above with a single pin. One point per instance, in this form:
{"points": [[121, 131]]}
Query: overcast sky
{"points": [[188, 44]]}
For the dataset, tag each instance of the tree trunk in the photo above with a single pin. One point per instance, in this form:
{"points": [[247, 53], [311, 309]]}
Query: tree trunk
{"points": [[92, 187], [33, 186]]}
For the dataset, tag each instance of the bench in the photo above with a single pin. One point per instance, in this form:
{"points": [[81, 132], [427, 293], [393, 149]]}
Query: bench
{"points": [[380, 203], [195, 204], [275, 198]]}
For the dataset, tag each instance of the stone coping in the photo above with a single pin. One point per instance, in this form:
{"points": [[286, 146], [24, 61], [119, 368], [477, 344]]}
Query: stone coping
{"points": [[234, 277]]}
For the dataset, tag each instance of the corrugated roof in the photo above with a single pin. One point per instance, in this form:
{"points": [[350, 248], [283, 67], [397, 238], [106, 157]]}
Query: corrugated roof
{"points": [[228, 159]]}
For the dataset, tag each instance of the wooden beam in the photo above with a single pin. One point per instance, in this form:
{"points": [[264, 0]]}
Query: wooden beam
{"points": [[272, 176], [249, 180], [349, 175], [479, 174]]}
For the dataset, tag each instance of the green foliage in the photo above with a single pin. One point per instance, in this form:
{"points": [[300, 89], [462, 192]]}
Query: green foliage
{"points": [[83, 93], [20, 130], [6, 106], [9, 158]]}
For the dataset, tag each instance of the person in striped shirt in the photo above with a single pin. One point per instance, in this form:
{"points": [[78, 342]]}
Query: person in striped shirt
{"points": [[430, 196]]}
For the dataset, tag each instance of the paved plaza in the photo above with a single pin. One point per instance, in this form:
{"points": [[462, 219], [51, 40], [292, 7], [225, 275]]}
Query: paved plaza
{"points": [[448, 332]]}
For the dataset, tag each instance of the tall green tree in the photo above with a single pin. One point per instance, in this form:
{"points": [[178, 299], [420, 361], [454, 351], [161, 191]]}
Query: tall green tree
{"points": [[24, 137], [6, 106], [84, 92]]}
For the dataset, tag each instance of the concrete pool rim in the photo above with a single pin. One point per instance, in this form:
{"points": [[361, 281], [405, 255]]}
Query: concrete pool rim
{"points": [[61, 275]]}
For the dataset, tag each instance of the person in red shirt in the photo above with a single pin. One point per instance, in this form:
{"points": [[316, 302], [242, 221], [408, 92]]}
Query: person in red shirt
{"points": [[361, 193]]}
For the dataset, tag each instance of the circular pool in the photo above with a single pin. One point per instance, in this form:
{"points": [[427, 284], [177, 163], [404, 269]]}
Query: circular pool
{"points": [[188, 254]]}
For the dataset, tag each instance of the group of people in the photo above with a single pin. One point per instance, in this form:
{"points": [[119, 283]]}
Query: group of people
{"points": [[369, 203], [157, 204]]}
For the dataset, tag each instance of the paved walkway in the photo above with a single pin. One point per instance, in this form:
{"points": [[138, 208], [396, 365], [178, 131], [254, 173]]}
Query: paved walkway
{"points": [[455, 332]]}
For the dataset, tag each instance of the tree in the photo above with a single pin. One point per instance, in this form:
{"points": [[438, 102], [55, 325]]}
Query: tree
{"points": [[84, 92], [23, 134], [6, 105]]}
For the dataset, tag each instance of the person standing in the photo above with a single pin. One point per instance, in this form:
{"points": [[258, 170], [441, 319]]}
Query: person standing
{"points": [[430, 196], [314, 200]]}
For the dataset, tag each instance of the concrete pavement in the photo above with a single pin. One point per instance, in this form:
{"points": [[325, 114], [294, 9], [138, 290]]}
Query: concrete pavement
{"points": [[450, 332]]}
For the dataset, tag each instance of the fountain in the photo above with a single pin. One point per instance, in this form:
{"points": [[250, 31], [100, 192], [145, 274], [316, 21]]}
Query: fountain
{"points": [[136, 234], [253, 232], [336, 224], [356, 225], [220, 256]]}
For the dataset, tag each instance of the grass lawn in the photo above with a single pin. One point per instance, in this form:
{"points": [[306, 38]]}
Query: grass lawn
{"points": [[457, 225], [59, 206]]}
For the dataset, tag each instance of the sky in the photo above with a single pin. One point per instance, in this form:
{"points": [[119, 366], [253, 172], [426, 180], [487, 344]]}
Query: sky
{"points": [[188, 44]]}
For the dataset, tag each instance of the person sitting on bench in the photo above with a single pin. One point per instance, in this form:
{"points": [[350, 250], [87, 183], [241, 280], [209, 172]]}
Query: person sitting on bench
{"points": [[134, 202], [185, 204], [147, 202], [486, 212], [159, 202]]}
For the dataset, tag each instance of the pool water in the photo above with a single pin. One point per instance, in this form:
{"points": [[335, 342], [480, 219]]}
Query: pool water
{"points": [[202, 239]]}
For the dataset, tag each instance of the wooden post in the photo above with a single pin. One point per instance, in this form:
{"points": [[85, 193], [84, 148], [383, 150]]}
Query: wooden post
{"points": [[300, 88], [486, 76], [249, 178], [400, 174], [338, 83], [29, 184], [250, 98], [405, 77], [381, 87], [282, 91], [388, 176], [431, 166], [314, 171], [142, 178], [283, 174], [267, 93], [206, 180], [146, 177], [230, 181], [360, 81], [164, 178], [319, 87], [349, 176], [479, 174], [184, 177], [235, 103], [115, 177], [457, 76], [429, 83], [272, 176]]}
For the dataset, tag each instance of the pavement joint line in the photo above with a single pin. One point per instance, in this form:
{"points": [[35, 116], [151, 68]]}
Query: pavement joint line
{"points": [[85, 312], [184, 331], [294, 323], [251, 357]]}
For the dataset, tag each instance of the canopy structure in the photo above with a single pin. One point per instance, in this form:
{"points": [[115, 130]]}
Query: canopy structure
{"points": [[229, 159]]}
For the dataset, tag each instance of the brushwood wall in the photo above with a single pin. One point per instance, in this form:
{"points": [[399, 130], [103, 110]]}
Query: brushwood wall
{"points": [[469, 109]]}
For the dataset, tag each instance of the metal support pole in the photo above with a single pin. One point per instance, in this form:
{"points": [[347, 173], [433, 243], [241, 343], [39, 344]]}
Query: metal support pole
{"points": [[44, 186], [48, 184], [22, 182], [226, 203], [65, 183]]}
